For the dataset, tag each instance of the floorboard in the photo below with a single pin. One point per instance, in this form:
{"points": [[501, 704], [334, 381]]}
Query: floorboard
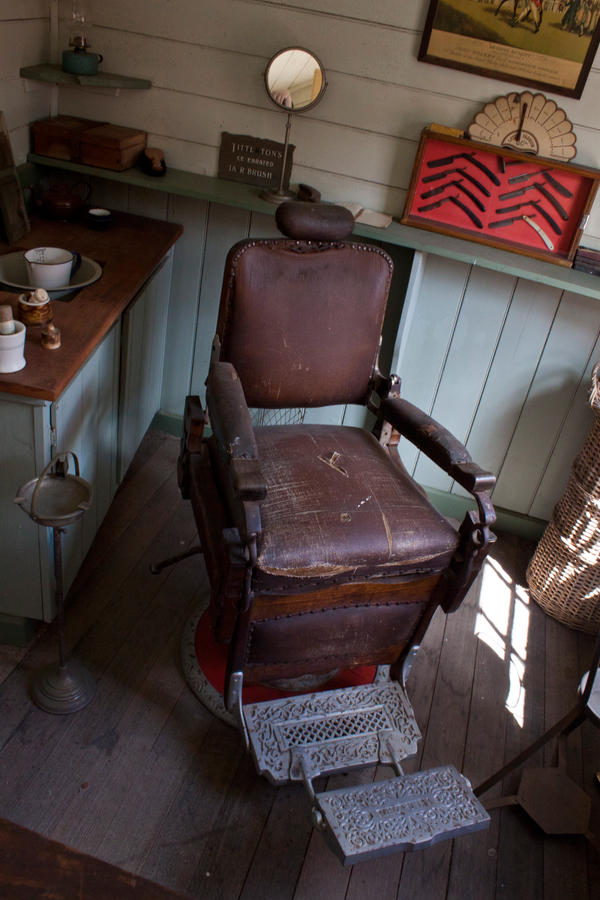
{"points": [[147, 779]]}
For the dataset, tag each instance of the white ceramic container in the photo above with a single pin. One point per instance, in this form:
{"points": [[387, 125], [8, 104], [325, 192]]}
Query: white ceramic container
{"points": [[11, 349], [50, 267]]}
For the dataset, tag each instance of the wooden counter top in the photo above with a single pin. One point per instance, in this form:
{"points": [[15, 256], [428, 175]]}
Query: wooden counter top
{"points": [[128, 251]]}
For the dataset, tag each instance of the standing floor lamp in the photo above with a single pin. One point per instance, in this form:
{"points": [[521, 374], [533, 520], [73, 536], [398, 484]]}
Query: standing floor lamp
{"points": [[56, 500]]}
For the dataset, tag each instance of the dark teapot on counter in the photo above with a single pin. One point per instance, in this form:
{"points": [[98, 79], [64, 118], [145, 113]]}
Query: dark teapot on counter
{"points": [[59, 199]]}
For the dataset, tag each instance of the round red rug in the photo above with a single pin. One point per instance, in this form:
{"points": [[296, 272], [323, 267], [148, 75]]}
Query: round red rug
{"points": [[204, 662]]}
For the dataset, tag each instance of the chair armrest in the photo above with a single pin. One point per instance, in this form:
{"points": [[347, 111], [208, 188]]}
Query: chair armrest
{"points": [[194, 421], [232, 427], [438, 444]]}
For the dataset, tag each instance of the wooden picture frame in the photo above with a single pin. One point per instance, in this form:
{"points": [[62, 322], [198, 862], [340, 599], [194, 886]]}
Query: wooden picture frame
{"points": [[547, 44], [497, 196]]}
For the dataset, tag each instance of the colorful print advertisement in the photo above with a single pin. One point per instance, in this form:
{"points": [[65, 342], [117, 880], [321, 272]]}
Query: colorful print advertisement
{"points": [[541, 43]]}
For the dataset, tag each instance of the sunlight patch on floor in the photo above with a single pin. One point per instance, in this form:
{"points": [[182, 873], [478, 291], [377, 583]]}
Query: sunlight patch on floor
{"points": [[502, 623]]}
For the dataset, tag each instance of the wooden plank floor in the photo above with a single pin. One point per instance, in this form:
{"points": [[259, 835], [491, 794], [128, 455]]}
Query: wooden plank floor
{"points": [[147, 779]]}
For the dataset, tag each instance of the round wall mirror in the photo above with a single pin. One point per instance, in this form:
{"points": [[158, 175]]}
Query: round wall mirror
{"points": [[295, 79]]}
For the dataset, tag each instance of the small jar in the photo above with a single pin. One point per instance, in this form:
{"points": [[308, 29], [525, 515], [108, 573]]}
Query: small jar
{"points": [[51, 339], [35, 308]]}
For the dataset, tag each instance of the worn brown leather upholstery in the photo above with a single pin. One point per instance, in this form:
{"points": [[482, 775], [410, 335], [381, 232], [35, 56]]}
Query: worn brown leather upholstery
{"points": [[321, 550], [290, 341], [339, 506]]}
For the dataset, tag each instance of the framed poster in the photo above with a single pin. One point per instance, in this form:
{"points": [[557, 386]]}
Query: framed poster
{"points": [[541, 43]]}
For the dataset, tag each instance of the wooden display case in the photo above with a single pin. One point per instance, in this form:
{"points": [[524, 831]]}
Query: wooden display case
{"points": [[60, 136], [500, 197]]}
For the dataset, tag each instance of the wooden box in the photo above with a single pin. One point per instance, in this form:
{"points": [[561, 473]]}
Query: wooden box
{"points": [[498, 196], [112, 147], [60, 136]]}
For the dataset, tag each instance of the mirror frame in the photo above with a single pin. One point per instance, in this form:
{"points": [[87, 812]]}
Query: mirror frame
{"points": [[319, 96]]}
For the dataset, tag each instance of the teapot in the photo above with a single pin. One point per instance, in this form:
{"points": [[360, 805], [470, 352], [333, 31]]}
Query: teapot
{"points": [[59, 199]]}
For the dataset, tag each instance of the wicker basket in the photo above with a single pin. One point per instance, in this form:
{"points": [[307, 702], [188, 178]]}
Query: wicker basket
{"points": [[564, 572]]}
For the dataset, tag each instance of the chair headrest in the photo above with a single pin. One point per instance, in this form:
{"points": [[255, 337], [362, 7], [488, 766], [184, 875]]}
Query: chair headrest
{"points": [[314, 221]]}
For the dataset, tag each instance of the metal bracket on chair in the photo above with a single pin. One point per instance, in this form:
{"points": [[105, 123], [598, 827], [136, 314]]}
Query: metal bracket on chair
{"points": [[300, 761], [475, 536], [487, 516], [235, 705], [395, 762], [407, 664]]}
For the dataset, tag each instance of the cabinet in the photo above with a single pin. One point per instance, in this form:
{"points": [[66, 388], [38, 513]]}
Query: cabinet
{"points": [[83, 420], [101, 416], [142, 358]]}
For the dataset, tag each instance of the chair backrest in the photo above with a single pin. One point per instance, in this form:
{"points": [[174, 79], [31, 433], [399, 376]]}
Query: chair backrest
{"points": [[301, 319]]}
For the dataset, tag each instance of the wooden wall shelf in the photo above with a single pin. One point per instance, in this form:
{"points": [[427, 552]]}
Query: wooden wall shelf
{"points": [[242, 196], [53, 74]]}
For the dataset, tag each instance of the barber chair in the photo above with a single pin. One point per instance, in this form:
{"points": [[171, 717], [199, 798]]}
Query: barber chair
{"points": [[322, 552]]}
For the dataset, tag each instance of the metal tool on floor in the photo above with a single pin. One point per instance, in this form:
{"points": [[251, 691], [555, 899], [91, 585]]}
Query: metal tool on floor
{"points": [[56, 500], [547, 794]]}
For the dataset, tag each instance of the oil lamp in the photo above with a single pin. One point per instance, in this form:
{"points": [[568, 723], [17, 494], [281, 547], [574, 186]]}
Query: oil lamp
{"points": [[79, 61]]}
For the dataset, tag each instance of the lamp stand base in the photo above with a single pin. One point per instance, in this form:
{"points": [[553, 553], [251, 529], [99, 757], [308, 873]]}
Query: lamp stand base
{"points": [[63, 689], [277, 196]]}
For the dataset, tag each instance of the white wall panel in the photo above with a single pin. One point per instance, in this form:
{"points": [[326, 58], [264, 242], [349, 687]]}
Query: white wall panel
{"points": [[24, 41], [23, 9], [563, 362], [524, 334], [474, 341], [576, 425], [188, 263], [428, 321], [225, 227]]}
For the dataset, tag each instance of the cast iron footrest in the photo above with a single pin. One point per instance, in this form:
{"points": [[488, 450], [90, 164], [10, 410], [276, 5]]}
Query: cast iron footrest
{"points": [[405, 813], [331, 731]]}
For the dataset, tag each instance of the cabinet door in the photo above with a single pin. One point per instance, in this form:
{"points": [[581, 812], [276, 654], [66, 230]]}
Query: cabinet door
{"points": [[85, 422], [24, 451], [142, 358]]}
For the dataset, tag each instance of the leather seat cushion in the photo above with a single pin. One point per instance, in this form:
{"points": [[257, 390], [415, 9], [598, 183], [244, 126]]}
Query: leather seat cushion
{"points": [[338, 504]]}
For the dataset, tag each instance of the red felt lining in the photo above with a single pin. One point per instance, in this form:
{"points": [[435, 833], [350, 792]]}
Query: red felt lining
{"points": [[518, 232], [212, 660]]}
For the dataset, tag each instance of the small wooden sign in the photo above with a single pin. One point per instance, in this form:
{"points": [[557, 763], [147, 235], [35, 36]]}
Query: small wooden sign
{"points": [[253, 160]]}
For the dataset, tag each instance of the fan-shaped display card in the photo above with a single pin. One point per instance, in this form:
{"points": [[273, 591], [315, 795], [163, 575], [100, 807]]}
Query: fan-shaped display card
{"points": [[530, 123]]}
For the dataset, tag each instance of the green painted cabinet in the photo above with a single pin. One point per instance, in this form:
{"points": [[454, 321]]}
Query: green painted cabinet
{"points": [[83, 420], [144, 332], [101, 416]]}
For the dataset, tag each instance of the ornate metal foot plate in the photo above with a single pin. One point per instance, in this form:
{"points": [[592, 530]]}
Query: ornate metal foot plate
{"points": [[405, 813], [331, 731]]}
